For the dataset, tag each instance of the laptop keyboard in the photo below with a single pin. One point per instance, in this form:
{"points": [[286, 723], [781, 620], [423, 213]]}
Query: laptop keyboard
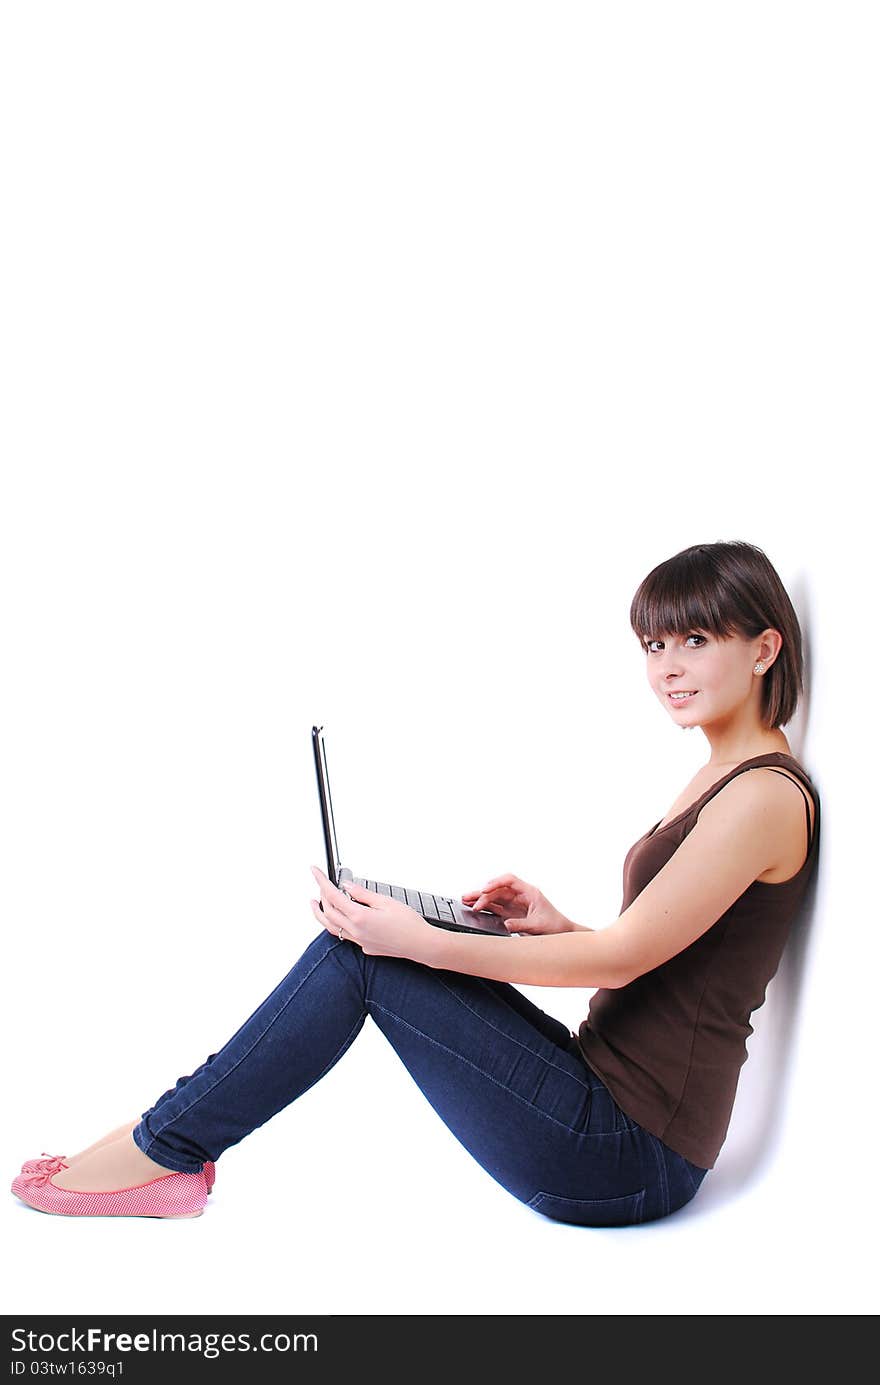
{"points": [[430, 906]]}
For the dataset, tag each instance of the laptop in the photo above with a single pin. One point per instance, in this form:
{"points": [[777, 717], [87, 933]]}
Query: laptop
{"points": [[441, 910]]}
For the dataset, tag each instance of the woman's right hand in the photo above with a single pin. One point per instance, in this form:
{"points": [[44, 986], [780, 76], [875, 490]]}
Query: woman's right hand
{"points": [[521, 906]]}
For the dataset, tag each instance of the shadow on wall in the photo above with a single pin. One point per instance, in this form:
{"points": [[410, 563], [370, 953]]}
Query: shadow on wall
{"points": [[758, 1118]]}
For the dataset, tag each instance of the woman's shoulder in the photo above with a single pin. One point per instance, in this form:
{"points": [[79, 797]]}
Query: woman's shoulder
{"points": [[772, 772], [774, 792]]}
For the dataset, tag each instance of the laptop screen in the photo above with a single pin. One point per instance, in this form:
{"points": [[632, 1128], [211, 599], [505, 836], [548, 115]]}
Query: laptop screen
{"points": [[334, 861]]}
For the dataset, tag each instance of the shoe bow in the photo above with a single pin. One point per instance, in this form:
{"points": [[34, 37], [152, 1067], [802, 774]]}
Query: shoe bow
{"points": [[53, 1163]]}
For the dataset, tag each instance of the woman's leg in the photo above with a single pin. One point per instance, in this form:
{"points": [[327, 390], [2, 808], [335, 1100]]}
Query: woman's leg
{"points": [[117, 1134], [504, 1077], [109, 1165]]}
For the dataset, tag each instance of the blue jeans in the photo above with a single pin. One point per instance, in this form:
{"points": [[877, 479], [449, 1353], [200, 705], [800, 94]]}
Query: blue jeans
{"points": [[508, 1081]]}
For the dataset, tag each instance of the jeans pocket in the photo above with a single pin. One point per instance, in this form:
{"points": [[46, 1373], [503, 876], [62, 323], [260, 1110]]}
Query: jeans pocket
{"points": [[597, 1211]]}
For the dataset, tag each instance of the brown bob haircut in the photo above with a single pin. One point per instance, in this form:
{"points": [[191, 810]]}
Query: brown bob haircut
{"points": [[726, 589]]}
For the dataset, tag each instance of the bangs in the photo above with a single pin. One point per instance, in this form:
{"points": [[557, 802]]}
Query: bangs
{"points": [[687, 595]]}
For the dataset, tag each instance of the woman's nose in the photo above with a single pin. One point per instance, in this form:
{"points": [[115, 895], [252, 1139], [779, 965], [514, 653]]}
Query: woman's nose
{"points": [[671, 666]]}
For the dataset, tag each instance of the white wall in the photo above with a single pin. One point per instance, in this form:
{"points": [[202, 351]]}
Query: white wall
{"points": [[362, 360]]}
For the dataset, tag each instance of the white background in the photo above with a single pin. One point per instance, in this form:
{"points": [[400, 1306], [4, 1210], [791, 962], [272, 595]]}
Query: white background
{"points": [[359, 361]]}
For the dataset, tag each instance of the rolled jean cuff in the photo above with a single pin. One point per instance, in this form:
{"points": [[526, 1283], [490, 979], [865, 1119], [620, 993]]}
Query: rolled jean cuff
{"points": [[149, 1145]]}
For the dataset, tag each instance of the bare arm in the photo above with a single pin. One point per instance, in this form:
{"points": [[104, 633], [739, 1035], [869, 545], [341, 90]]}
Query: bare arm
{"points": [[581, 957]]}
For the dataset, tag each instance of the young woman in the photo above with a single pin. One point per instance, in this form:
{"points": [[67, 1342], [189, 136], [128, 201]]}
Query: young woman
{"points": [[620, 1122]]}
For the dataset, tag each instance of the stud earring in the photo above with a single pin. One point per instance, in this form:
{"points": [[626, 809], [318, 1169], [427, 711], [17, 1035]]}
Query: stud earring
{"points": [[759, 667]]}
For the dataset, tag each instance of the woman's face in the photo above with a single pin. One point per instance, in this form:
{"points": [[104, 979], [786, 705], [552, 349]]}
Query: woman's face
{"points": [[717, 674]]}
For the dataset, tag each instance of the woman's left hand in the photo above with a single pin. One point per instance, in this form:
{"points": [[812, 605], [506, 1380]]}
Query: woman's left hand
{"points": [[381, 926]]}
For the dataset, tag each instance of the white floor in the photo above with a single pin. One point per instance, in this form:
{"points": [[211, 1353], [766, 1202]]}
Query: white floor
{"points": [[394, 1217]]}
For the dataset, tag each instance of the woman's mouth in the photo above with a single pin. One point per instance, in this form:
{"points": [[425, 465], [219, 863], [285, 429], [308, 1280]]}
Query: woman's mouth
{"points": [[678, 697]]}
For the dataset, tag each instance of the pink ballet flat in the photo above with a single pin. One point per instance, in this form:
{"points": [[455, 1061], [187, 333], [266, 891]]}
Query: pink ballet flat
{"points": [[171, 1195], [56, 1162]]}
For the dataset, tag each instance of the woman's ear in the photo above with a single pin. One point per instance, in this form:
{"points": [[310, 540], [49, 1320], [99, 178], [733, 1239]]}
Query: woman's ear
{"points": [[769, 645]]}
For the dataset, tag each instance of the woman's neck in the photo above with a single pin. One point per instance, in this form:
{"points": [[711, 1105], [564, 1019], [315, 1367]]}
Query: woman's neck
{"points": [[733, 750]]}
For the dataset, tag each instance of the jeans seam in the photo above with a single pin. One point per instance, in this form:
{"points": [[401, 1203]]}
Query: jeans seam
{"points": [[543, 1195], [584, 1086], [695, 1186], [258, 1039], [173, 1168], [662, 1175], [580, 1134]]}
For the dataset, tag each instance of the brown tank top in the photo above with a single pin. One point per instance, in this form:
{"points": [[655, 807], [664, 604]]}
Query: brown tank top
{"points": [[670, 1045]]}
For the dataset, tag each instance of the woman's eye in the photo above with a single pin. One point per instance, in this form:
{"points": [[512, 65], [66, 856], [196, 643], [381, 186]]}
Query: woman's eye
{"points": [[650, 643]]}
